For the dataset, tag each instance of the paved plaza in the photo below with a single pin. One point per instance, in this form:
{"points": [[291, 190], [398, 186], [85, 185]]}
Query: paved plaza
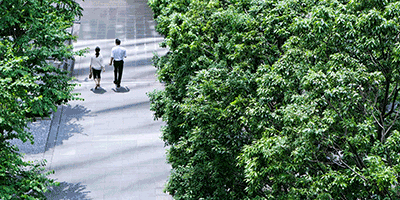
{"points": [[108, 146]]}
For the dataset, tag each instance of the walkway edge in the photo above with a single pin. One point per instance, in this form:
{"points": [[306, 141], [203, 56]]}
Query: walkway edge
{"points": [[52, 136]]}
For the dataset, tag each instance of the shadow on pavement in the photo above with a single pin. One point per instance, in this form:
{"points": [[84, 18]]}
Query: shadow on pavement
{"points": [[124, 89], [65, 125], [68, 191], [69, 125], [137, 105], [99, 90]]}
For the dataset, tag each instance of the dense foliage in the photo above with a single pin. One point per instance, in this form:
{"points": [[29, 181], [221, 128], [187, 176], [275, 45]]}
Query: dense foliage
{"points": [[31, 32], [270, 99]]}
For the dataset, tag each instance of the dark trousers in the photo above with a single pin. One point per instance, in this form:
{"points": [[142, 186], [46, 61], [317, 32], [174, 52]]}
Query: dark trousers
{"points": [[118, 67], [96, 73]]}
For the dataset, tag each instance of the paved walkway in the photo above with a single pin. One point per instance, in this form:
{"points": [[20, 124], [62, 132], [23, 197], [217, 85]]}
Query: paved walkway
{"points": [[108, 146]]}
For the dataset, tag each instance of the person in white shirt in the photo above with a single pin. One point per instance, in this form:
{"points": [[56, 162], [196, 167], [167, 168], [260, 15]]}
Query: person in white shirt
{"points": [[96, 65], [118, 54]]}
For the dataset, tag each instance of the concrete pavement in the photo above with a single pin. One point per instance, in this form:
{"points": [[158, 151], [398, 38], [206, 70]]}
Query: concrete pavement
{"points": [[108, 146]]}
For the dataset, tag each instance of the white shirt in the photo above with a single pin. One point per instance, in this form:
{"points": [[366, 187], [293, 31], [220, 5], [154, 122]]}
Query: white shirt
{"points": [[97, 63], [118, 53]]}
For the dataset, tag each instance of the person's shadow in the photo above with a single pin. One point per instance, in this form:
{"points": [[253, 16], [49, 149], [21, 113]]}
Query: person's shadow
{"points": [[99, 90], [67, 191], [121, 89]]}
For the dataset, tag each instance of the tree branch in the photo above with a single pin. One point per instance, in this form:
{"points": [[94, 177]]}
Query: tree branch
{"points": [[376, 63], [393, 91], [397, 37], [385, 98], [343, 196], [354, 171], [396, 89], [383, 107], [376, 120], [358, 158], [208, 52], [387, 131]]}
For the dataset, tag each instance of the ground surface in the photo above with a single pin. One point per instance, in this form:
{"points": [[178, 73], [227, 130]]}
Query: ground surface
{"points": [[108, 146]]}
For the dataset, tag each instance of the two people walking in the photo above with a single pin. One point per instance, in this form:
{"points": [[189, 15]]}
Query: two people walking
{"points": [[118, 54]]}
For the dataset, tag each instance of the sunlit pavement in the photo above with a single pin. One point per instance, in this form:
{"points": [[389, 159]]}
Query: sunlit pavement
{"points": [[108, 146]]}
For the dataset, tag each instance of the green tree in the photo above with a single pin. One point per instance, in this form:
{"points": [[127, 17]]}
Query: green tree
{"points": [[293, 99], [337, 134], [31, 32]]}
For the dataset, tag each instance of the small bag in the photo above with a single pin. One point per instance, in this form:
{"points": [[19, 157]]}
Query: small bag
{"points": [[90, 74]]}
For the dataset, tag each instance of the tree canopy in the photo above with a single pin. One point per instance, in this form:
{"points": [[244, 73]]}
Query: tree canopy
{"points": [[31, 33], [280, 99]]}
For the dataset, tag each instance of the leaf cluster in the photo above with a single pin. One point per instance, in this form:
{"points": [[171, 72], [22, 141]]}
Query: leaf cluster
{"points": [[32, 33], [294, 99], [20, 179]]}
